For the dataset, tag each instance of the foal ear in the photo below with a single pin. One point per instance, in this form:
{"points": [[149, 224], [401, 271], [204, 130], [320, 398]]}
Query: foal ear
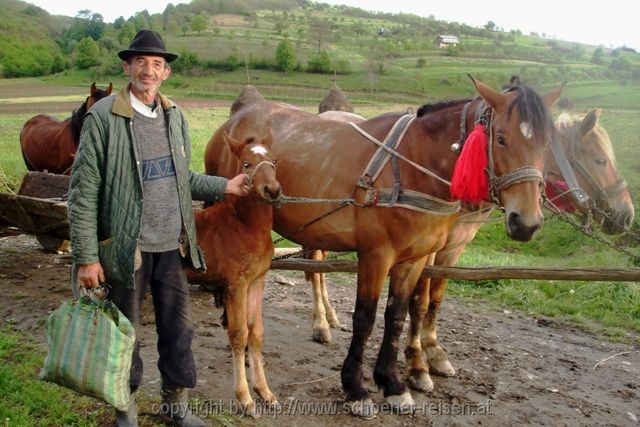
{"points": [[109, 89], [590, 120], [234, 145], [93, 89], [497, 100], [552, 96]]}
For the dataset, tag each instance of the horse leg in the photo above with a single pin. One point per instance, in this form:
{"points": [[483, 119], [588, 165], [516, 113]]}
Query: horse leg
{"points": [[235, 305], [324, 316], [436, 357], [256, 335], [372, 272], [418, 371], [319, 324], [401, 286]]}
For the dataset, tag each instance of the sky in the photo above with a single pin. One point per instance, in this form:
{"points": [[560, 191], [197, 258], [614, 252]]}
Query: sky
{"points": [[611, 24]]}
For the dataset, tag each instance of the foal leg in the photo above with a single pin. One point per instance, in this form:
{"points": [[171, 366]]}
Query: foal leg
{"points": [[372, 271], [418, 371], [235, 305], [256, 335], [401, 286]]}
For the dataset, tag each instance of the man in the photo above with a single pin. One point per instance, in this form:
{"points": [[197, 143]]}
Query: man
{"points": [[131, 217]]}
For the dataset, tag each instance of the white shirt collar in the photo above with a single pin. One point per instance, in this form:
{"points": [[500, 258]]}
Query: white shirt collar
{"points": [[141, 107]]}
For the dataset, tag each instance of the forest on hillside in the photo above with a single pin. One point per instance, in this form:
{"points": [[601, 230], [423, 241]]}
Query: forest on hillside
{"points": [[282, 35]]}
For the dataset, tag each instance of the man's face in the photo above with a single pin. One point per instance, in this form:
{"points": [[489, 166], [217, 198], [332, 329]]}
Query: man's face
{"points": [[147, 73]]}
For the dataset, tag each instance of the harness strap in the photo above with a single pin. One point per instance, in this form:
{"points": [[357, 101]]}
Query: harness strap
{"points": [[410, 199], [397, 196], [382, 156], [398, 155], [566, 171]]}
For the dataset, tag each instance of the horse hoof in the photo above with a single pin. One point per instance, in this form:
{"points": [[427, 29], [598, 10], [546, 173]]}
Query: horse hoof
{"points": [[322, 336], [364, 409], [402, 403], [421, 382], [442, 368]]}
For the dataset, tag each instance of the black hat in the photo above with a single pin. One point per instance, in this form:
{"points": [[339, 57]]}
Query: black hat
{"points": [[147, 42]]}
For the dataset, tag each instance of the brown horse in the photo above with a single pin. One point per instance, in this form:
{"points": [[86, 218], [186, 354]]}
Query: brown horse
{"points": [[325, 160], [235, 235], [587, 146], [49, 144]]}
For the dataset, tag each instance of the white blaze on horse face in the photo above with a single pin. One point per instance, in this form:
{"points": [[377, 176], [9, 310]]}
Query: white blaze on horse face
{"points": [[259, 149], [527, 131]]}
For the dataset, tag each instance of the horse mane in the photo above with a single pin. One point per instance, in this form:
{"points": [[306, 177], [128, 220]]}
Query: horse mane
{"points": [[568, 121], [530, 106], [432, 108], [77, 116]]}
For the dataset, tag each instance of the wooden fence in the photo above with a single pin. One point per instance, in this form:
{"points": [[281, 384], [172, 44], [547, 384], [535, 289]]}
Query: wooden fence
{"points": [[481, 273]]}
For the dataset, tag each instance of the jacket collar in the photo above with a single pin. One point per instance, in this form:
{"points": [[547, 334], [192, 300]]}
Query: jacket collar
{"points": [[122, 104]]}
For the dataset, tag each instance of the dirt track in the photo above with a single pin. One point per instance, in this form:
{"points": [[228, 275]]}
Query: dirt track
{"points": [[512, 369]]}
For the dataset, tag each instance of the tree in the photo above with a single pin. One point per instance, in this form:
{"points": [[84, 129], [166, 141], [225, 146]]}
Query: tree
{"points": [[88, 53], [199, 24], [598, 56], [286, 57], [320, 63], [490, 26]]}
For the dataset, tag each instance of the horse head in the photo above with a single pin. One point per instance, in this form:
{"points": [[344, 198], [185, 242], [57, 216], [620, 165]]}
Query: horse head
{"points": [[257, 160], [519, 129], [590, 153], [96, 95]]}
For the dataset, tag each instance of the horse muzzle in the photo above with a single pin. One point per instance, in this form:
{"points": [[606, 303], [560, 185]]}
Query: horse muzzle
{"points": [[518, 230]]}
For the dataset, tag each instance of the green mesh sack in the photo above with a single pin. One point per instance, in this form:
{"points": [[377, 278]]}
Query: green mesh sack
{"points": [[90, 343]]}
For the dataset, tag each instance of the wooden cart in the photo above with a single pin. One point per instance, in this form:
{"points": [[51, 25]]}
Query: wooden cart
{"points": [[39, 208]]}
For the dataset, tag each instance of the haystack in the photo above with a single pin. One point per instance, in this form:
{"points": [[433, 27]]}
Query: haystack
{"points": [[335, 100], [249, 95]]}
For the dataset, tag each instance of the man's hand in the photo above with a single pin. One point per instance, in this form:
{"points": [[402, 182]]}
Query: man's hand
{"points": [[90, 276], [239, 185]]}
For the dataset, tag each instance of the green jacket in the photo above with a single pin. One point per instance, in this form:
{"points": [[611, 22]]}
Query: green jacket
{"points": [[105, 194]]}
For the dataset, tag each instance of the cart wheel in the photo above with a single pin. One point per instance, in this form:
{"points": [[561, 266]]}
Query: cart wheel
{"points": [[53, 244]]}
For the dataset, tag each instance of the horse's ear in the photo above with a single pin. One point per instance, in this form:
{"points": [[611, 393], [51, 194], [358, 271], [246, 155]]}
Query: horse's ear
{"points": [[590, 120], [110, 88], [552, 96], [93, 89], [268, 140], [234, 145], [497, 100]]}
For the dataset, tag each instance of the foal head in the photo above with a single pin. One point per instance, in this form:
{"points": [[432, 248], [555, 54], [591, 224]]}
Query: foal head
{"points": [[77, 116], [590, 153], [257, 160], [519, 130]]}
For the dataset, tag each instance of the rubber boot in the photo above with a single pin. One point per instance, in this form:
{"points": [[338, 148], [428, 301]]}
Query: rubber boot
{"points": [[175, 405], [128, 418]]}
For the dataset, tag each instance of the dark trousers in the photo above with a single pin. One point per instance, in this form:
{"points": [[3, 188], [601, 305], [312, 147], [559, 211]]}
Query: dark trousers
{"points": [[164, 274]]}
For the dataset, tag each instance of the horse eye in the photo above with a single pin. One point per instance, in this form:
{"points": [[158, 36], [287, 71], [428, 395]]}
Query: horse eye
{"points": [[246, 165], [601, 161], [275, 162], [501, 141]]}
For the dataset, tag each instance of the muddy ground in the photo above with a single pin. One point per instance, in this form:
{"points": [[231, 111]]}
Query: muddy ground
{"points": [[512, 369]]}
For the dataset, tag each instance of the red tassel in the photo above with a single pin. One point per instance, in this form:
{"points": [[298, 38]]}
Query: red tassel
{"points": [[469, 182]]}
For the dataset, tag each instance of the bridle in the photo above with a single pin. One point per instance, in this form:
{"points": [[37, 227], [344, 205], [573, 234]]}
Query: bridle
{"points": [[602, 195], [252, 170], [484, 115]]}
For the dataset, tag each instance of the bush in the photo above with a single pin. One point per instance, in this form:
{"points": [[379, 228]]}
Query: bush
{"points": [[286, 57]]}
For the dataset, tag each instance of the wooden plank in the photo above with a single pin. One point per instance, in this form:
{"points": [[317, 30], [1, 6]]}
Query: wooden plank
{"points": [[44, 185], [34, 215], [480, 273]]}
